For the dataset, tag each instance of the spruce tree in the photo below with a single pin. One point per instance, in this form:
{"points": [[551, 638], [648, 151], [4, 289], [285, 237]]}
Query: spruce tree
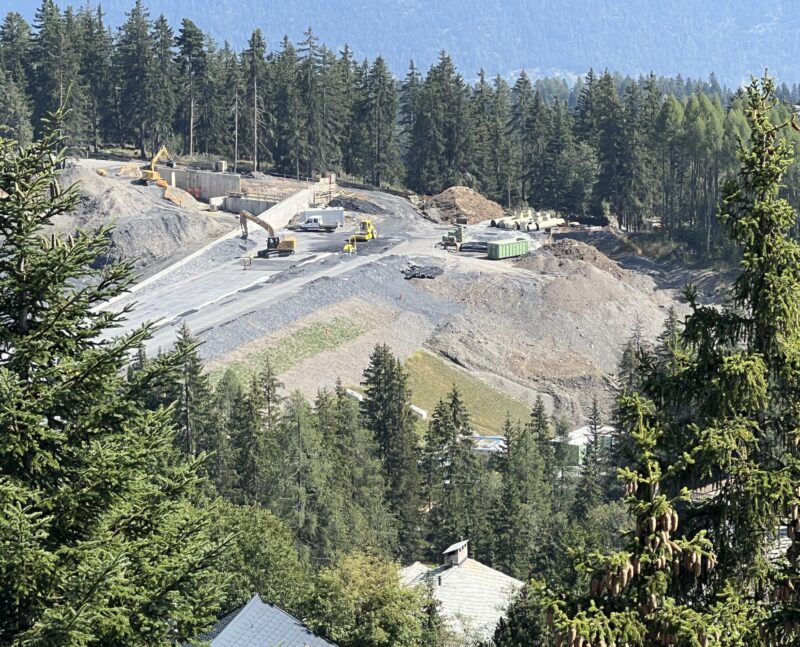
{"points": [[590, 490], [358, 473], [15, 113], [219, 439], [254, 73], [163, 78], [386, 414], [714, 446], [192, 62], [134, 69], [192, 399], [525, 504], [103, 542], [96, 58], [15, 43]]}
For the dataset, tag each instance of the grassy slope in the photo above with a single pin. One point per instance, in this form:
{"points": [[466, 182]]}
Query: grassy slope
{"points": [[431, 378], [288, 351]]}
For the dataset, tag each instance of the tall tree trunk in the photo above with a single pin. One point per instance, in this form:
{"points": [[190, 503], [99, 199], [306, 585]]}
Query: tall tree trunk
{"points": [[255, 122], [236, 132], [191, 123]]}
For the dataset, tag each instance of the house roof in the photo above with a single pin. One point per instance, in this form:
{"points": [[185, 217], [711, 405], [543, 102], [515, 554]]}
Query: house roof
{"points": [[259, 624], [457, 546], [473, 596], [581, 435]]}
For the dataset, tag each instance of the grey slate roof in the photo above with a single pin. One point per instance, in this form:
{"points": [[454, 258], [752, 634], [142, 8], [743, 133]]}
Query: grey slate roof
{"points": [[259, 624]]}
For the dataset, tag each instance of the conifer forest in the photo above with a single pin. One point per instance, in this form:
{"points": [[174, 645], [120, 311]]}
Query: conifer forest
{"points": [[144, 495]]}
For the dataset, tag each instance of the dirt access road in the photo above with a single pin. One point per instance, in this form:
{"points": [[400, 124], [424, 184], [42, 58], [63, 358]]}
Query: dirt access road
{"points": [[212, 288]]}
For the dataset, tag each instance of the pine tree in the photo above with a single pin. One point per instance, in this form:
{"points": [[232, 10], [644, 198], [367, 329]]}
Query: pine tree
{"points": [[163, 78], [15, 43], [102, 541], [590, 490], [15, 114], [134, 66], [192, 411], [386, 414], [96, 57], [192, 62]]}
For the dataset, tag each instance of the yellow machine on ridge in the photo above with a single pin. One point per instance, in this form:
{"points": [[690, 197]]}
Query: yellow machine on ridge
{"points": [[149, 173]]}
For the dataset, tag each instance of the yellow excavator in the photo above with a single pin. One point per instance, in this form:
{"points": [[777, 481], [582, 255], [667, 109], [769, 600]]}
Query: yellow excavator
{"points": [[149, 173], [278, 246]]}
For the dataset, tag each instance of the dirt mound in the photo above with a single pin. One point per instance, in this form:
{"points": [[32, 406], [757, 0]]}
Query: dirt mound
{"points": [[575, 250], [556, 328], [147, 228], [182, 198], [463, 202]]}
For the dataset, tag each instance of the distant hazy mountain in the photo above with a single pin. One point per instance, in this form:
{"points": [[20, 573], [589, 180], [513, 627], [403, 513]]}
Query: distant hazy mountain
{"points": [[733, 38]]}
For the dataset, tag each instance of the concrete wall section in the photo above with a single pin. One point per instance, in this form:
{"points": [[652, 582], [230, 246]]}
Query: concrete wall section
{"points": [[234, 205], [203, 184], [279, 215]]}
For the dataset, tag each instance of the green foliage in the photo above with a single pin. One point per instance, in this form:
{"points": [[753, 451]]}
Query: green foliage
{"points": [[105, 539], [711, 419], [523, 514], [361, 603], [461, 492], [261, 558], [385, 411]]}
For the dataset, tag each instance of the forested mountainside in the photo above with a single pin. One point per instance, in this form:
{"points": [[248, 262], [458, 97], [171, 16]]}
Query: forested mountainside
{"points": [[504, 36], [637, 147]]}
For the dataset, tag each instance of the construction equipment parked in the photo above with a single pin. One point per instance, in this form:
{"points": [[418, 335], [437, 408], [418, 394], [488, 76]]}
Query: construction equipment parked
{"points": [[455, 237], [366, 231], [276, 245], [149, 173], [322, 220]]}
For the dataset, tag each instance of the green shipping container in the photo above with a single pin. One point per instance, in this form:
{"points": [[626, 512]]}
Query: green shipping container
{"points": [[509, 248]]}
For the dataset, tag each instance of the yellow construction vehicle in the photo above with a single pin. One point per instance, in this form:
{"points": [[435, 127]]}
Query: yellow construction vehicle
{"points": [[278, 246], [366, 231], [149, 173]]}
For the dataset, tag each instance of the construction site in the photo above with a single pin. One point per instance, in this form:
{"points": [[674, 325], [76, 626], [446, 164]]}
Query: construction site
{"points": [[508, 307]]}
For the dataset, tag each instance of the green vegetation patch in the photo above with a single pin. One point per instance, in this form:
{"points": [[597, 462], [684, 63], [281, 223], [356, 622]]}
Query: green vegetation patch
{"points": [[288, 351], [431, 378]]}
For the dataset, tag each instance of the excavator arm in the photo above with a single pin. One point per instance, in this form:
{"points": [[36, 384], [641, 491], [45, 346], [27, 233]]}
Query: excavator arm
{"points": [[161, 153], [244, 216], [280, 246]]}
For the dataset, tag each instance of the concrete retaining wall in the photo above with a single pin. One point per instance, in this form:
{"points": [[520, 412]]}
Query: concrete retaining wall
{"points": [[280, 214], [202, 184], [234, 205]]}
